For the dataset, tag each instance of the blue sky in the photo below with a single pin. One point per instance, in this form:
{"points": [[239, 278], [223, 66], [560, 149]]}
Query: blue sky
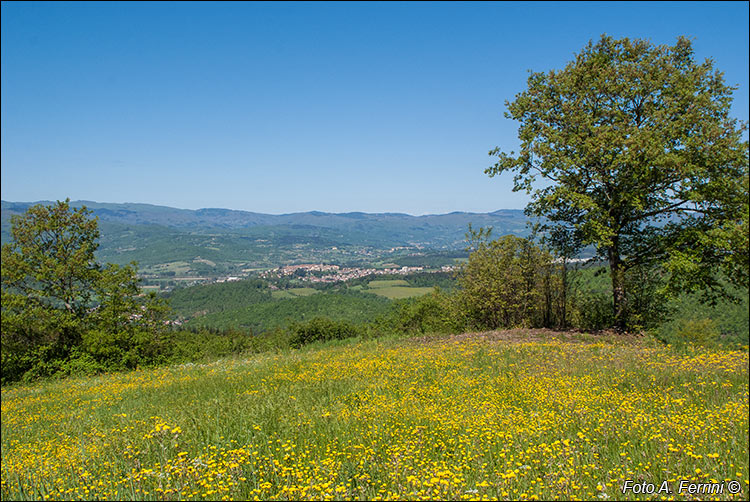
{"points": [[276, 108]]}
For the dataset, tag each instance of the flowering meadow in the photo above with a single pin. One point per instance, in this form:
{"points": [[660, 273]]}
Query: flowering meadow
{"points": [[470, 418]]}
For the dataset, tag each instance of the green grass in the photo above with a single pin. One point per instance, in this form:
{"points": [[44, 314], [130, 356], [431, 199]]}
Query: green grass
{"points": [[458, 418], [398, 292], [178, 267], [293, 293], [396, 289], [380, 284]]}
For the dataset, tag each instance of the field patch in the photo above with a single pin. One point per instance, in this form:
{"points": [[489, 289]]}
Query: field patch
{"points": [[451, 419], [177, 267], [397, 289], [380, 284], [293, 293], [398, 293]]}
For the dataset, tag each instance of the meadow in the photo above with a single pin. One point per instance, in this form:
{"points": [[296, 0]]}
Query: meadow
{"points": [[472, 417], [396, 289], [293, 293]]}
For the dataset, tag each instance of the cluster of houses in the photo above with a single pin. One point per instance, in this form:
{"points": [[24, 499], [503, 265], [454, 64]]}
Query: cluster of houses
{"points": [[334, 273], [313, 272]]}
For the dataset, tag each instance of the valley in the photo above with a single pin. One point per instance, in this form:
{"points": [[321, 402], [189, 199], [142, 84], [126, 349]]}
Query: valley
{"points": [[178, 247]]}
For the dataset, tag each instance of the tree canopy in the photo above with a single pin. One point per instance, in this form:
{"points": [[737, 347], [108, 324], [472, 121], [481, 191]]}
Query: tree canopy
{"points": [[56, 297], [506, 283], [638, 156]]}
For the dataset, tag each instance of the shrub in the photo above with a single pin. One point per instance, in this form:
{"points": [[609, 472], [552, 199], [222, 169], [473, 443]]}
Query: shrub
{"points": [[702, 332], [321, 329], [506, 282], [432, 313], [117, 350], [592, 312]]}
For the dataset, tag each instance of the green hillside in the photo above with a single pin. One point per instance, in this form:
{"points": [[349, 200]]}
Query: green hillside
{"points": [[236, 240], [344, 305], [198, 300]]}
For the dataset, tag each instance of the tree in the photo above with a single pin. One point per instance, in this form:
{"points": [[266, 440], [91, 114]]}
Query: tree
{"points": [[56, 297], [640, 158], [565, 244], [505, 283], [48, 274]]}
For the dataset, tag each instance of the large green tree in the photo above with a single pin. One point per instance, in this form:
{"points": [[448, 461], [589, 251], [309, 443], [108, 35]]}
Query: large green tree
{"points": [[49, 272], [638, 156], [56, 297]]}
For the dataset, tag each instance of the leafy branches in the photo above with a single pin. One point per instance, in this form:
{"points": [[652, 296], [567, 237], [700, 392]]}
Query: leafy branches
{"points": [[57, 299]]}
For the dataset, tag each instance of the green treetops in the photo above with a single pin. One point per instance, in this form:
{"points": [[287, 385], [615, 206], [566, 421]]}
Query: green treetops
{"points": [[506, 283], [51, 259], [57, 298], [640, 158]]}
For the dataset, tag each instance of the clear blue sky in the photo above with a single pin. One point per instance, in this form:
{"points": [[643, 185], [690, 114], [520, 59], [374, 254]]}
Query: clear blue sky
{"points": [[292, 107]]}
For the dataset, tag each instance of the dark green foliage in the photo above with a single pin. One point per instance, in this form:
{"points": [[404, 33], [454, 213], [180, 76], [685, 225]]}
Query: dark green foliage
{"points": [[591, 298], [730, 319], [432, 313], [443, 280], [117, 350], [669, 317], [202, 344], [321, 329], [345, 305], [433, 259], [186, 302], [591, 311], [58, 303]]}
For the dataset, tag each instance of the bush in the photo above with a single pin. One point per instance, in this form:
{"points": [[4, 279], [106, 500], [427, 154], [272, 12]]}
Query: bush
{"points": [[321, 329], [701, 332], [432, 313], [34, 362], [196, 344], [592, 312], [506, 283], [273, 340], [125, 349], [80, 363]]}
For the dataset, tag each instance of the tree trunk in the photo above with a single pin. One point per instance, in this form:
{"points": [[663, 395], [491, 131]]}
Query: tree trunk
{"points": [[547, 314], [564, 294], [619, 306]]}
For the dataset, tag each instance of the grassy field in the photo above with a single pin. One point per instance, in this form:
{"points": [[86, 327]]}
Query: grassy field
{"points": [[396, 289], [293, 293], [504, 416], [178, 267]]}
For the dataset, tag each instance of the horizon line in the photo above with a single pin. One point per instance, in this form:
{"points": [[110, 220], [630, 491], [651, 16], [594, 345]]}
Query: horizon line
{"points": [[84, 201]]}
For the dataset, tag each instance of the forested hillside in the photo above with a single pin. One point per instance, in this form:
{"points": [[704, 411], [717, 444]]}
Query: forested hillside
{"points": [[182, 245], [377, 229]]}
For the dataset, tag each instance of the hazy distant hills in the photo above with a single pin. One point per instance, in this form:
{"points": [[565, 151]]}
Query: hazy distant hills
{"points": [[153, 234], [146, 214]]}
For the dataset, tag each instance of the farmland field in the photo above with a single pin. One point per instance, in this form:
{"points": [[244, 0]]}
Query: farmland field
{"points": [[496, 415], [293, 293], [396, 289]]}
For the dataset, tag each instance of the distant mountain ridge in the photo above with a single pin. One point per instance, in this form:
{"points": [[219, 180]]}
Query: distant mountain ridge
{"points": [[148, 214], [233, 240]]}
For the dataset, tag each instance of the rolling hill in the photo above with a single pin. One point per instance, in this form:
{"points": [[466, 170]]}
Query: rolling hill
{"points": [[154, 235]]}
